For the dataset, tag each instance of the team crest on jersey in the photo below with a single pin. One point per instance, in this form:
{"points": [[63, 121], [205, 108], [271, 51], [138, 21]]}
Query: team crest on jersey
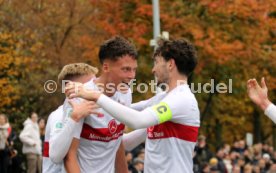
{"points": [[112, 126]]}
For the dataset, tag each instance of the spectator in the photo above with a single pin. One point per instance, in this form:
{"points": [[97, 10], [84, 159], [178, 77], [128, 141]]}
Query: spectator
{"points": [[256, 169], [262, 165], [14, 160], [129, 158], [141, 154], [241, 164], [248, 156], [248, 168], [138, 165], [242, 146], [226, 148], [272, 168], [236, 169], [268, 162], [228, 163], [205, 168], [203, 154], [30, 137], [4, 152], [41, 125], [221, 160]]}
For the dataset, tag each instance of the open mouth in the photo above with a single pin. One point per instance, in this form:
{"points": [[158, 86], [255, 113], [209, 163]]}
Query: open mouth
{"points": [[129, 82], [126, 83], [125, 87]]}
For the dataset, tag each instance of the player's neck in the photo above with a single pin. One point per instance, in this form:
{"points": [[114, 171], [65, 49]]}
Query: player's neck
{"points": [[103, 82], [176, 80]]}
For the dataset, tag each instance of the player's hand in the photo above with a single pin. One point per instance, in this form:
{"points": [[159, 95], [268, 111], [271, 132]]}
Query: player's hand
{"points": [[257, 93], [74, 89], [83, 109]]}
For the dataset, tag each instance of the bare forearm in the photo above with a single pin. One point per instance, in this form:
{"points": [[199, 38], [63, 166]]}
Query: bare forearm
{"points": [[71, 165], [120, 162]]}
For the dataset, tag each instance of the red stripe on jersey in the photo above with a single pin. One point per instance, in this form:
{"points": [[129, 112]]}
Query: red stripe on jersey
{"points": [[170, 129], [112, 132], [46, 149]]}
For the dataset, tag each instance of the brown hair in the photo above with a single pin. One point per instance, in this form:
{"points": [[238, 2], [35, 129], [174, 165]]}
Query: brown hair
{"points": [[74, 70]]}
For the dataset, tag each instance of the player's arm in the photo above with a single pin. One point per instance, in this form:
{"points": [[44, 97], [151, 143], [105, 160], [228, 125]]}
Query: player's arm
{"points": [[133, 139], [62, 133], [258, 93], [120, 160], [60, 139], [71, 162], [139, 106], [270, 111], [132, 118]]}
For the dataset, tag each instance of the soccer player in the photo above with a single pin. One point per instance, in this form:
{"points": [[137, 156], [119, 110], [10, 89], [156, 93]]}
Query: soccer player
{"points": [[170, 120], [78, 72], [101, 134], [258, 94]]}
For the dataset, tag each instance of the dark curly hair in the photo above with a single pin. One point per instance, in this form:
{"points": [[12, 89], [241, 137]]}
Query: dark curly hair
{"points": [[181, 50], [115, 48]]}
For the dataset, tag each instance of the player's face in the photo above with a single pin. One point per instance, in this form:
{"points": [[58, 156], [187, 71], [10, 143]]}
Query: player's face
{"points": [[121, 71], [160, 70]]}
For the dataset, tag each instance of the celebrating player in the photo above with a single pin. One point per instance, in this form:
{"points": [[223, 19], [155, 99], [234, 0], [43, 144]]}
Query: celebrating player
{"points": [[171, 118], [78, 72], [101, 134]]}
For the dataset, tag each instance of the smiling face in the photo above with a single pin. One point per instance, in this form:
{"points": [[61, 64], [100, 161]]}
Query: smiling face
{"points": [[120, 71], [160, 70]]}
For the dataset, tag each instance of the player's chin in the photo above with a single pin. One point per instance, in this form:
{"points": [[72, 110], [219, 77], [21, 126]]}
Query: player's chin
{"points": [[158, 81], [126, 83], [124, 87]]}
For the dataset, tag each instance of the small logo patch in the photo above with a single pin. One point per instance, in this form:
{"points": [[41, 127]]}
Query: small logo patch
{"points": [[58, 125]]}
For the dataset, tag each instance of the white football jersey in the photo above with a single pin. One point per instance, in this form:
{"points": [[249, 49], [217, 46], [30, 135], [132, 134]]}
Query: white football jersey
{"points": [[55, 120], [170, 145], [100, 137], [54, 126]]}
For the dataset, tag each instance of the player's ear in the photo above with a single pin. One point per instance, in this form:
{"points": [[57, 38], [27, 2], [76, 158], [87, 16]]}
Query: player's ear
{"points": [[171, 64], [105, 67]]}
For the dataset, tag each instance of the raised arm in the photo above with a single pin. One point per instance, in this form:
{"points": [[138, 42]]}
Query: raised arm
{"points": [[62, 133]]}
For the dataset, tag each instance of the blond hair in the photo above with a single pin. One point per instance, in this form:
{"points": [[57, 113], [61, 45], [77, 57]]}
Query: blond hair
{"points": [[74, 70]]}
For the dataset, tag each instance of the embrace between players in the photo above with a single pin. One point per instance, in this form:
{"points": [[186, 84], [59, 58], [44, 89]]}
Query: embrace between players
{"points": [[86, 133]]}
